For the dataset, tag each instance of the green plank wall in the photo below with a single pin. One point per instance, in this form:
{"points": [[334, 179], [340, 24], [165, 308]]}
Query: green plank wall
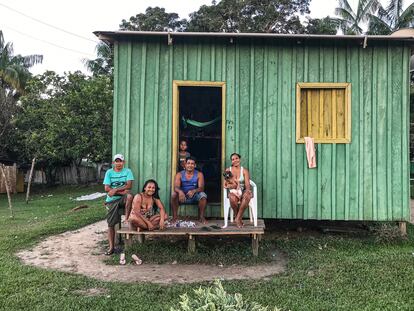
{"points": [[367, 179]]}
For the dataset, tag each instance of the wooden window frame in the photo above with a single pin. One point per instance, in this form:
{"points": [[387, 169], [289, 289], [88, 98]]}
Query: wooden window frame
{"points": [[319, 85]]}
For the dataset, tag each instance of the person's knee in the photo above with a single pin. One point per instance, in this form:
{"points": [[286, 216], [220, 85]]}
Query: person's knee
{"points": [[233, 199], [174, 195]]}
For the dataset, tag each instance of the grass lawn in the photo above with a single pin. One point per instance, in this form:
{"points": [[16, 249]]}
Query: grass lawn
{"points": [[325, 272]]}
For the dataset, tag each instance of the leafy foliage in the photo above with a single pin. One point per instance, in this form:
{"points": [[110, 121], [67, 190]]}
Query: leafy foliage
{"points": [[103, 63], [14, 73], [216, 298], [350, 21], [154, 19], [14, 70], [66, 118], [267, 16], [326, 25], [260, 16], [391, 18]]}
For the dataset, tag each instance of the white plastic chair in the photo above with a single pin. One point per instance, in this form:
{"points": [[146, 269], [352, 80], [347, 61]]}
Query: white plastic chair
{"points": [[252, 206]]}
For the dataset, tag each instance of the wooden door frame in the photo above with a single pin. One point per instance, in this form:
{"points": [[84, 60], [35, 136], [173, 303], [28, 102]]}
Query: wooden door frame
{"points": [[175, 122]]}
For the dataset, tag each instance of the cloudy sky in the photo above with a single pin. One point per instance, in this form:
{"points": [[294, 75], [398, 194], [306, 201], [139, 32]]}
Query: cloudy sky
{"points": [[62, 30]]}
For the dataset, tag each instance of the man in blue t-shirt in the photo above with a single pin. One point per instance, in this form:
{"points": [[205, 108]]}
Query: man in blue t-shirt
{"points": [[189, 189], [118, 183]]}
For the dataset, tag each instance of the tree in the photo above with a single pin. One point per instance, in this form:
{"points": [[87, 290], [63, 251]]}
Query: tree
{"points": [[66, 119], [265, 16], [391, 18], [326, 25], [154, 19], [14, 70], [14, 73], [350, 21], [103, 63]]}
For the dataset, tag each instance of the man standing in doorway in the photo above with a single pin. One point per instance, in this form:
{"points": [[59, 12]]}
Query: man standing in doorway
{"points": [[118, 183], [189, 189]]}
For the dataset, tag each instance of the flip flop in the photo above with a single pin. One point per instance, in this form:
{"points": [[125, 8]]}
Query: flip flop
{"points": [[137, 260], [109, 252], [122, 260]]}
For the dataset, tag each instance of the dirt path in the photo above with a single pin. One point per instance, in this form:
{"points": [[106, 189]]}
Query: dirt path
{"points": [[79, 252]]}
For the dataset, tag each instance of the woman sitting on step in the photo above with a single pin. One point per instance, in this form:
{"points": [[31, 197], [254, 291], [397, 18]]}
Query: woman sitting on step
{"points": [[143, 214]]}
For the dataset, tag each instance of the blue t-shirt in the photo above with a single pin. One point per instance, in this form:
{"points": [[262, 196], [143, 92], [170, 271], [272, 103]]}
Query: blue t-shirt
{"points": [[116, 179]]}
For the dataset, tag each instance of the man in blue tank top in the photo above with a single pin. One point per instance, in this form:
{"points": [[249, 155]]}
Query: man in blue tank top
{"points": [[189, 189]]}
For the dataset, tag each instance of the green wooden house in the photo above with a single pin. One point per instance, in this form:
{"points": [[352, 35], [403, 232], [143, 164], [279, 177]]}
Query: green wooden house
{"points": [[260, 95]]}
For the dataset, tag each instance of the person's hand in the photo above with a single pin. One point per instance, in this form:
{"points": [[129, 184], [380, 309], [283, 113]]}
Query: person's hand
{"points": [[162, 225], [181, 197], [126, 220], [190, 193], [112, 192], [150, 226]]}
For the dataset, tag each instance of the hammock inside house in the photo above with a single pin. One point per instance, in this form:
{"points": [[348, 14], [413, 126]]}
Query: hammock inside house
{"points": [[187, 122]]}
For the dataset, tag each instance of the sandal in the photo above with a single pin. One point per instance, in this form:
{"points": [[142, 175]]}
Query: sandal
{"points": [[122, 260], [109, 252], [137, 260]]}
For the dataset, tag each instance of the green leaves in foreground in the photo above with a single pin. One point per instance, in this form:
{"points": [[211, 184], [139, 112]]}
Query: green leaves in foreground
{"points": [[216, 298]]}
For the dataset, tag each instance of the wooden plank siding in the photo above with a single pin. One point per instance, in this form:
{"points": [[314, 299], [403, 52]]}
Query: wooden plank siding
{"points": [[366, 179]]}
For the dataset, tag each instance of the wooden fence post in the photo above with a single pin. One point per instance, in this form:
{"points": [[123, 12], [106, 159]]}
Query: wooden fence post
{"points": [[13, 179], [30, 181], [6, 182]]}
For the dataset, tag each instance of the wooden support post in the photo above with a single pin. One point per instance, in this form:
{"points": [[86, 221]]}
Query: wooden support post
{"points": [[128, 240], [13, 179], [6, 183], [30, 180], [141, 238], [403, 227], [191, 244], [255, 245]]}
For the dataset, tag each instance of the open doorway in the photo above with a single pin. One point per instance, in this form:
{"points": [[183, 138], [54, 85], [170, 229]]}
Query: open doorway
{"points": [[199, 121]]}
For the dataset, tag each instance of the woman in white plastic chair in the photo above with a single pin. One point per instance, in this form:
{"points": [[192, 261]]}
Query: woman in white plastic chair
{"points": [[242, 175]]}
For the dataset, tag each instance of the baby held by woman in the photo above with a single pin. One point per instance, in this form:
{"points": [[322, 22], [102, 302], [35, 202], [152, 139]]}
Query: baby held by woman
{"points": [[232, 184]]}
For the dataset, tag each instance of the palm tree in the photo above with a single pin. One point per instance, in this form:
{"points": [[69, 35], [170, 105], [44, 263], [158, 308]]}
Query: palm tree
{"points": [[103, 64], [391, 18], [350, 21], [14, 70]]}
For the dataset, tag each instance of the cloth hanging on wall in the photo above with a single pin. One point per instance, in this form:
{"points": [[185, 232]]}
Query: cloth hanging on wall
{"points": [[310, 152]]}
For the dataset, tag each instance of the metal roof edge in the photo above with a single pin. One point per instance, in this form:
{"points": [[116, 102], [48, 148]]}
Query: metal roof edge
{"points": [[112, 36]]}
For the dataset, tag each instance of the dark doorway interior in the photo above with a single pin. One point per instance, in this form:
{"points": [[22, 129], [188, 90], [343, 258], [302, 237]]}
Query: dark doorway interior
{"points": [[200, 125]]}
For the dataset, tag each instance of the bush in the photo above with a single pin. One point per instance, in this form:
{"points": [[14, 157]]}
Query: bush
{"points": [[216, 298], [386, 232]]}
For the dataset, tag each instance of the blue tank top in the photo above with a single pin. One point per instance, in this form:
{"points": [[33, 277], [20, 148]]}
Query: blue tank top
{"points": [[191, 184]]}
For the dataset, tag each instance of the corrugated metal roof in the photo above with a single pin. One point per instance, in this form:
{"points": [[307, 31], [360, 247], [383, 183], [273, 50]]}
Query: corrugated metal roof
{"points": [[111, 36]]}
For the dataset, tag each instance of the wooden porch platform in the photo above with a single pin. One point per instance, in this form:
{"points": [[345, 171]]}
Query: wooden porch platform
{"points": [[212, 228]]}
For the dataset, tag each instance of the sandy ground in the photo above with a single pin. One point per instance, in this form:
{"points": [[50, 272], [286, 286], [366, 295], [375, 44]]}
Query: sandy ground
{"points": [[79, 252]]}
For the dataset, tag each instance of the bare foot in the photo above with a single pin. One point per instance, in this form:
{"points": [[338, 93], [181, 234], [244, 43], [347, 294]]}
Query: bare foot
{"points": [[239, 223], [203, 220]]}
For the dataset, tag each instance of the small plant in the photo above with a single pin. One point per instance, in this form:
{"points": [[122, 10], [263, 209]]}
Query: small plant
{"points": [[216, 298], [386, 232]]}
